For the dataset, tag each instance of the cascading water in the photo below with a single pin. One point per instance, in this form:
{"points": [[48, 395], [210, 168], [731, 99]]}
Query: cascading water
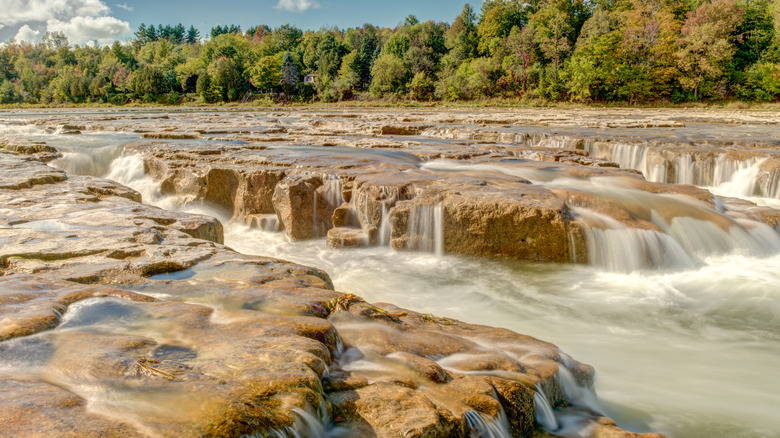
{"points": [[488, 427], [545, 416], [391, 196], [426, 229], [741, 178], [692, 351], [617, 248], [307, 425], [627, 156], [333, 190], [687, 229]]}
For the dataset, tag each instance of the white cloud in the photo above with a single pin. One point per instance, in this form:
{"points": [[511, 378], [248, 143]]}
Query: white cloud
{"points": [[26, 11], [26, 33], [125, 7], [80, 30], [297, 5], [80, 20]]}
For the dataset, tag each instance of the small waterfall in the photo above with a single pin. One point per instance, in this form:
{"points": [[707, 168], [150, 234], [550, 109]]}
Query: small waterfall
{"points": [[684, 169], [618, 248], [384, 227], [306, 425], [545, 416], [391, 195], [333, 190], [576, 394], [487, 427], [656, 174], [267, 222], [705, 238], [774, 185], [93, 161], [739, 178], [425, 229], [627, 156]]}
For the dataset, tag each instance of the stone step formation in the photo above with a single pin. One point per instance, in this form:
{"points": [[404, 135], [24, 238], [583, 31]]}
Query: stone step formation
{"points": [[123, 319]]}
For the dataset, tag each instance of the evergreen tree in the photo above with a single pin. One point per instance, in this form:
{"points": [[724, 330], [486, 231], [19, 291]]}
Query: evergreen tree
{"points": [[193, 35], [289, 78]]}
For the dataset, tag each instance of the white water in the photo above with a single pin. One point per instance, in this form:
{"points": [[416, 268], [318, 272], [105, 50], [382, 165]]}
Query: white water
{"points": [[487, 427], [426, 229], [688, 352], [724, 176]]}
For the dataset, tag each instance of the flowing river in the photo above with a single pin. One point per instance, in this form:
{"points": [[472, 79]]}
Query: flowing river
{"points": [[689, 347]]}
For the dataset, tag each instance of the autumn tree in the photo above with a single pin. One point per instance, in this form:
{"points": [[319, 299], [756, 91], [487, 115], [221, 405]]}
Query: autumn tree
{"points": [[522, 48], [266, 73], [557, 24], [706, 44], [496, 21]]}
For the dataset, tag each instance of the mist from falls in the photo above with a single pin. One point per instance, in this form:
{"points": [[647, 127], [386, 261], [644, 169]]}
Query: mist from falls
{"points": [[687, 345]]}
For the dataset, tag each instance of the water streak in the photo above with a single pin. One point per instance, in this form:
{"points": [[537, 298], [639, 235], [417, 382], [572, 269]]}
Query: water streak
{"points": [[488, 427], [425, 230]]}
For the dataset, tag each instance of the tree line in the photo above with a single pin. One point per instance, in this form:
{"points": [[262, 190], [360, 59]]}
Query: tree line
{"points": [[633, 51]]}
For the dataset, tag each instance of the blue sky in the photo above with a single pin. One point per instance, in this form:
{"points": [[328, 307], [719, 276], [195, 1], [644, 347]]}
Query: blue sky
{"points": [[106, 21]]}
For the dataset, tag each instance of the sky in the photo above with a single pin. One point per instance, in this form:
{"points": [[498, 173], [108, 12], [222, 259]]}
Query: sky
{"points": [[107, 21]]}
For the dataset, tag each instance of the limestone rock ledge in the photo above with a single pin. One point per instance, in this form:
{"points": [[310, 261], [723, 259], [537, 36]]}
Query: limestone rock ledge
{"points": [[121, 319]]}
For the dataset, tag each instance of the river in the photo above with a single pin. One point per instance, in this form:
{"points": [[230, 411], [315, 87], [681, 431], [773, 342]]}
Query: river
{"points": [[685, 348]]}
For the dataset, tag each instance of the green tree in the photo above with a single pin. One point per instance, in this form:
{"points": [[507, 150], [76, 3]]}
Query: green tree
{"points": [[266, 73], [706, 44], [150, 80], [755, 33], [192, 36], [289, 74], [226, 78], [496, 21], [7, 94], [522, 48], [99, 86], [390, 75], [203, 87], [557, 24], [461, 38]]}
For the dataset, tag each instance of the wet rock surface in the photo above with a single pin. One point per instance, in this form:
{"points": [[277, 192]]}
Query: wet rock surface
{"points": [[122, 319]]}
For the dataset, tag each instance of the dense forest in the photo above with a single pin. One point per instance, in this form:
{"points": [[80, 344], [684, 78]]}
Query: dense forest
{"points": [[634, 51]]}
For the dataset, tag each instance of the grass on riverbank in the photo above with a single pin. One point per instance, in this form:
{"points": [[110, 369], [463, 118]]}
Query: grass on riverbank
{"points": [[378, 103]]}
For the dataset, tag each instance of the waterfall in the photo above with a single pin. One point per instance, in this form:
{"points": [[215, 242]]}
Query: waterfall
{"points": [[384, 227], [545, 416], [333, 190], [82, 161], [425, 229], [306, 425], [391, 196], [738, 178], [488, 427], [618, 248], [774, 185], [684, 169], [627, 156], [656, 174]]}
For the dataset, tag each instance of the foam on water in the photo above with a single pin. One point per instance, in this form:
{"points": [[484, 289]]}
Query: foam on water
{"points": [[686, 352]]}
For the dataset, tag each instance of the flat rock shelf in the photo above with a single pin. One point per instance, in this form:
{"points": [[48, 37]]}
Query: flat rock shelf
{"points": [[131, 303]]}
